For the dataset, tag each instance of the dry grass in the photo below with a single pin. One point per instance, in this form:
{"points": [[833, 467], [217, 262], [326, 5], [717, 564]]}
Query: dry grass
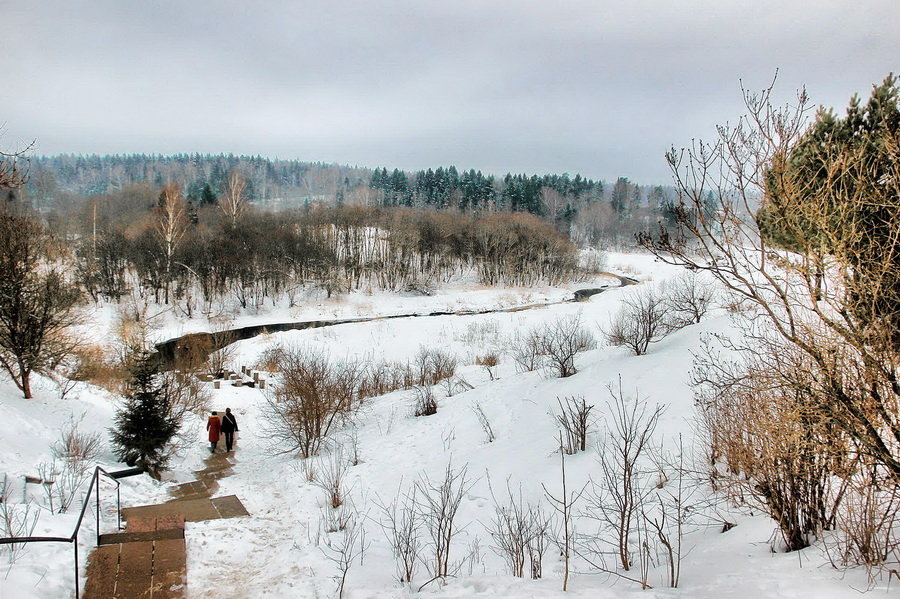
{"points": [[93, 365]]}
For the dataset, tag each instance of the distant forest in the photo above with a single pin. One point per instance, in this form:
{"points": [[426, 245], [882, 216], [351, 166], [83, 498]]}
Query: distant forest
{"points": [[589, 212]]}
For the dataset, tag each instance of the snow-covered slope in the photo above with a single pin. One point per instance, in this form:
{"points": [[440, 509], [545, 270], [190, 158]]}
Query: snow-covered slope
{"points": [[277, 551]]}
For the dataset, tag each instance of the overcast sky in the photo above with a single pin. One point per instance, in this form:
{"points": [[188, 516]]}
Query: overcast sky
{"points": [[597, 87]]}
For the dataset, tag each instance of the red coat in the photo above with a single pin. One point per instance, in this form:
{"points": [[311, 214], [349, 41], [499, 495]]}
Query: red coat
{"points": [[214, 426]]}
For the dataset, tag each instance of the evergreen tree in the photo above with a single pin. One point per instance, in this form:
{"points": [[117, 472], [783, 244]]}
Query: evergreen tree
{"points": [[620, 196], [146, 423]]}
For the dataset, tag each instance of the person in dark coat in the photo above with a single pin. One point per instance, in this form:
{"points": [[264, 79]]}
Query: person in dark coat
{"points": [[214, 426], [229, 427]]}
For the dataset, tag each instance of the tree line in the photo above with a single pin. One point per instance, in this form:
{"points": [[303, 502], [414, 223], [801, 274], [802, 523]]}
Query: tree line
{"points": [[199, 256], [589, 211]]}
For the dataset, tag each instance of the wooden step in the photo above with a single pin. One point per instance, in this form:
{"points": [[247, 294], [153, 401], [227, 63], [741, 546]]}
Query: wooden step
{"points": [[135, 537]]}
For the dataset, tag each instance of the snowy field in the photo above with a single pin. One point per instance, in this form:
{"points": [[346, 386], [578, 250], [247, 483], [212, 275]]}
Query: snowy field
{"points": [[276, 552]]}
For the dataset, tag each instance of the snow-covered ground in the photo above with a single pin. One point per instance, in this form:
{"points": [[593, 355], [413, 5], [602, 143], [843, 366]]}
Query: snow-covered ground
{"points": [[276, 552]]}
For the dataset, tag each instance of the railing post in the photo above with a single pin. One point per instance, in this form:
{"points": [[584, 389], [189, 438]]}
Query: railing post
{"points": [[77, 586], [97, 492]]}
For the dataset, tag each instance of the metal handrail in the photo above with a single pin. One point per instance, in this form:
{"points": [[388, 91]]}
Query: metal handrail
{"points": [[95, 480]]}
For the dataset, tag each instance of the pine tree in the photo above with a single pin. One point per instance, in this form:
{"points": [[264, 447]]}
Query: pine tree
{"points": [[146, 423]]}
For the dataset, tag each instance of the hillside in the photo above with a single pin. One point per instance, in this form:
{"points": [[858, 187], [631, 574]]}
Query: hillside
{"points": [[280, 550]]}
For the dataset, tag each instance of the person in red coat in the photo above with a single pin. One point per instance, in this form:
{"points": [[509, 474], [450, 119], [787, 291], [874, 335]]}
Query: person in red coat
{"points": [[214, 426]]}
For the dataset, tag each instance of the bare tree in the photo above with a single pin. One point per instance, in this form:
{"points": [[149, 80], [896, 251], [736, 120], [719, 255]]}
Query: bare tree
{"points": [[232, 201], [831, 296], [12, 174], [641, 320], [170, 226], [36, 302]]}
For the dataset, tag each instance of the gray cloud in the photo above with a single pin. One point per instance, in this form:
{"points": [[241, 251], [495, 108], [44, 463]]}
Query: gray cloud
{"points": [[597, 87]]}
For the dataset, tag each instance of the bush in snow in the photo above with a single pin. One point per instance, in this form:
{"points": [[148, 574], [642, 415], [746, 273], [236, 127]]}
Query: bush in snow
{"points": [[618, 497], [560, 340], [312, 397], [641, 320], [439, 503], [520, 533], [574, 418], [400, 524], [425, 403], [688, 298], [526, 350]]}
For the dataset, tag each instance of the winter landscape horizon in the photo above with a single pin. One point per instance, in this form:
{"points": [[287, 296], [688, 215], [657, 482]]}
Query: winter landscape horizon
{"points": [[400, 299]]}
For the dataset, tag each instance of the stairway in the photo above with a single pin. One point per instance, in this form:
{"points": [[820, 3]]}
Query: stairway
{"points": [[148, 560]]}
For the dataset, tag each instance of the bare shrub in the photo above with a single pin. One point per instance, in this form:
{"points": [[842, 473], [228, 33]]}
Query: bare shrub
{"points": [[618, 498], [539, 541], [272, 358], [343, 552], [574, 418], [561, 340], [309, 470], [352, 446], [640, 321], [869, 524], [434, 365], [438, 503], [331, 478], [400, 524], [61, 481], [480, 334], [15, 521], [424, 402], [489, 361], [676, 507], [77, 445], [526, 351], [337, 519], [456, 384], [563, 505], [511, 532], [307, 404], [520, 533], [484, 422], [593, 262], [770, 444], [688, 298]]}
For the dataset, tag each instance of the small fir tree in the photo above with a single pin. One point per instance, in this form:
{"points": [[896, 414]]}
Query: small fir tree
{"points": [[146, 423]]}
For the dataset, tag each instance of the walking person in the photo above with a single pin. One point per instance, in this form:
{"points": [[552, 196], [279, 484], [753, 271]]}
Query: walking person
{"points": [[214, 426], [229, 427]]}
